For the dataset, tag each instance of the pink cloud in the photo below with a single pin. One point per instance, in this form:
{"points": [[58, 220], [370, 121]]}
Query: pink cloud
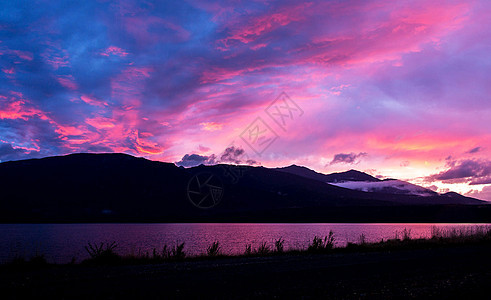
{"points": [[113, 50], [26, 146], [25, 55], [128, 86], [211, 126], [66, 131], [67, 81], [259, 46], [101, 122], [405, 31], [146, 146], [92, 101], [16, 107], [255, 27], [219, 74], [8, 71], [56, 60], [121, 130]]}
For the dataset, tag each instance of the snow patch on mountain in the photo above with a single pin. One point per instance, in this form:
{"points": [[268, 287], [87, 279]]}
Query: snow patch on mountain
{"points": [[387, 186]]}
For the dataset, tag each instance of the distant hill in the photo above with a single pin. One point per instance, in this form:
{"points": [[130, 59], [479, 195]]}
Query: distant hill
{"points": [[392, 186], [304, 172], [351, 175], [123, 188], [360, 181]]}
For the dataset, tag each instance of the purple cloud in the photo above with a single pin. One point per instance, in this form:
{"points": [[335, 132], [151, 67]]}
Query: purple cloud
{"points": [[347, 158], [235, 155], [472, 171], [484, 194], [192, 160], [231, 155], [474, 150]]}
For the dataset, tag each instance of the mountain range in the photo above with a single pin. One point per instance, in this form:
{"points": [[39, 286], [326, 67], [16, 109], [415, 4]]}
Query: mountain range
{"points": [[123, 188], [360, 181]]}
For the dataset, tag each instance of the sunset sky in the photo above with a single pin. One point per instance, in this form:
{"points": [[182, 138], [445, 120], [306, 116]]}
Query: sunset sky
{"points": [[400, 89]]}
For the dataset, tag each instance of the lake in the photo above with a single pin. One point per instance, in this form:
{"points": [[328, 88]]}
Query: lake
{"points": [[62, 242]]}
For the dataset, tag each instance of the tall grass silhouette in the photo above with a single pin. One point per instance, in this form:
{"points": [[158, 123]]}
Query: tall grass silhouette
{"points": [[105, 253]]}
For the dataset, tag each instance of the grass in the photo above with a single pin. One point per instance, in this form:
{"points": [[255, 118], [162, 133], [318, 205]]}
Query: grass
{"points": [[263, 249], [106, 254], [439, 238], [322, 245], [102, 253], [213, 249], [279, 245], [248, 250]]}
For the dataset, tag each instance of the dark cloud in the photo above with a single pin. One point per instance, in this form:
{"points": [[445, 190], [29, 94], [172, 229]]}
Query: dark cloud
{"points": [[237, 156], [347, 158], [192, 160], [231, 155], [481, 180], [472, 171], [474, 150], [7, 152]]}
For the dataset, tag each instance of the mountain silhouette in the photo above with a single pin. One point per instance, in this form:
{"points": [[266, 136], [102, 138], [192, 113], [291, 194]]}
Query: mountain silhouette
{"points": [[351, 175], [123, 188]]}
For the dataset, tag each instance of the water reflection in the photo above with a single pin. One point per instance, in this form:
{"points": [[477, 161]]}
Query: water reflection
{"points": [[62, 242]]}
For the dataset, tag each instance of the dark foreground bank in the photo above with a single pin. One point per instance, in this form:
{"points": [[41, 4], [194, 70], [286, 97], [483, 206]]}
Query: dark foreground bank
{"points": [[459, 271]]}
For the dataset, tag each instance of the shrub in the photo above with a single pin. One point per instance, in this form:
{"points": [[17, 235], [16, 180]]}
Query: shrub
{"points": [[103, 253]]}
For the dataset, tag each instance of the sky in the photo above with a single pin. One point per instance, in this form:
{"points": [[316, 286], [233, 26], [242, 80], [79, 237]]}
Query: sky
{"points": [[397, 89]]}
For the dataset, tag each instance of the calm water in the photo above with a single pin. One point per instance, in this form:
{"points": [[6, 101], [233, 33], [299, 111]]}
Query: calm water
{"points": [[61, 242]]}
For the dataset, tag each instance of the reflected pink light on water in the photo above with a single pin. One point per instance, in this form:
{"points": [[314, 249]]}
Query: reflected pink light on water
{"points": [[61, 242]]}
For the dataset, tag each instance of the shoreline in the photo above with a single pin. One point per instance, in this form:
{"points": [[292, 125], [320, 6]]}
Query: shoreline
{"points": [[446, 272], [451, 264], [107, 253]]}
